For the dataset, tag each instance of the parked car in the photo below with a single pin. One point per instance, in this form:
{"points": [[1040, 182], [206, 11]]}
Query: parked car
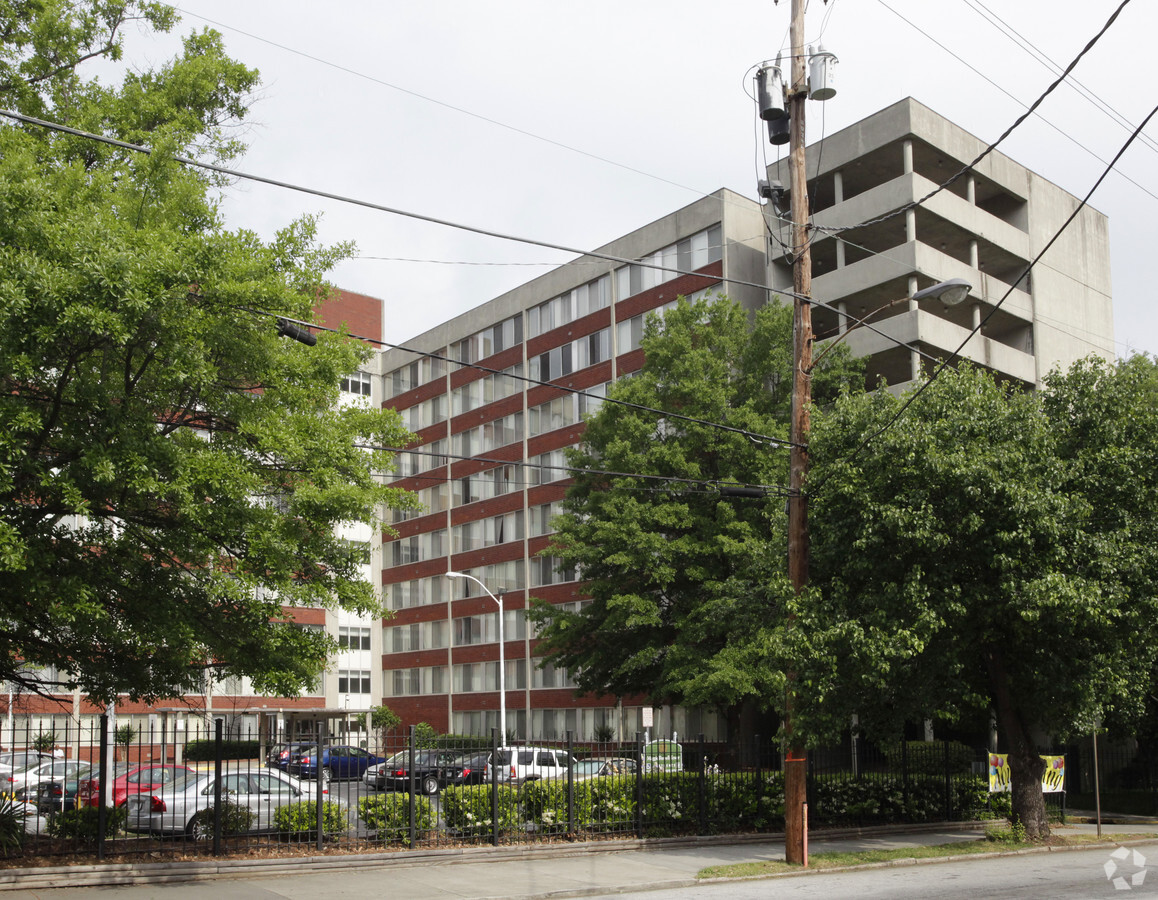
{"points": [[604, 766], [374, 774], [23, 783], [134, 780], [433, 770], [280, 755], [18, 760], [173, 808], [58, 795], [338, 763], [516, 765]]}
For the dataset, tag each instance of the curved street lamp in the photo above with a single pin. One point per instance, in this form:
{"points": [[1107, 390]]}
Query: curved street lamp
{"points": [[502, 659], [952, 293]]}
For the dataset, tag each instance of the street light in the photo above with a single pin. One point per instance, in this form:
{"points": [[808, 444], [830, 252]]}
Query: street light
{"points": [[502, 659], [952, 293]]}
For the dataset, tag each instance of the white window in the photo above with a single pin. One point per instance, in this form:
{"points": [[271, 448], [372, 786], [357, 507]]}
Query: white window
{"points": [[351, 638], [353, 681], [358, 383]]}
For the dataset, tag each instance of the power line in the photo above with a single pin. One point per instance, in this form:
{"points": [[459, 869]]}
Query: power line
{"points": [[443, 103], [379, 207], [1041, 57], [993, 146], [235, 173], [750, 435], [573, 470]]}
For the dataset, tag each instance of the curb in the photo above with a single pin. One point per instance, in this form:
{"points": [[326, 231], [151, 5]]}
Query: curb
{"points": [[932, 860], [137, 873], [140, 873]]}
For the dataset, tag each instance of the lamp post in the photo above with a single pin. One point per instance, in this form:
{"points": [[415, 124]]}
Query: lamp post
{"points": [[502, 659]]}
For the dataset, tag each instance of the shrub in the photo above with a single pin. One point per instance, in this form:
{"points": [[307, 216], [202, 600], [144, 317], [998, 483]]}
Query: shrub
{"points": [[388, 816], [671, 803], [425, 736], [11, 825], [235, 819], [206, 750], [545, 805], [467, 810], [299, 821], [611, 804], [45, 741], [80, 825], [742, 802]]}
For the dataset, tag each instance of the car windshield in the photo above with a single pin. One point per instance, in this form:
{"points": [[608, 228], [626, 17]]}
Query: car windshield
{"points": [[182, 780], [587, 767]]}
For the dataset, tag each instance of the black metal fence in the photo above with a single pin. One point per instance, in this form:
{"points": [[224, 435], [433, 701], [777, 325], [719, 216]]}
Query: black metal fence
{"points": [[419, 790]]}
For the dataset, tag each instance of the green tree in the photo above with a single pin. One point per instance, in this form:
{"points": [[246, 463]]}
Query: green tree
{"points": [[686, 585], [383, 720], [172, 473], [989, 547]]}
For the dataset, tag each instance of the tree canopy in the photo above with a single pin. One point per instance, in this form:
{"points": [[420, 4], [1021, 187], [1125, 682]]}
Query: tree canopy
{"points": [[173, 475], [686, 585], [988, 548]]}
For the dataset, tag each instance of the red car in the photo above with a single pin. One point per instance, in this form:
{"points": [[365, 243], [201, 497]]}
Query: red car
{"points": [[135, 780]]}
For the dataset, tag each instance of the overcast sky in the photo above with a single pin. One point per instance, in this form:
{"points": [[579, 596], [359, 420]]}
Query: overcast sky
{"points": [[575, 123]]}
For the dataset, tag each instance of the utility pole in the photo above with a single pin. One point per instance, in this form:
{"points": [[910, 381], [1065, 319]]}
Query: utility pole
{"points": [[796, 762]]}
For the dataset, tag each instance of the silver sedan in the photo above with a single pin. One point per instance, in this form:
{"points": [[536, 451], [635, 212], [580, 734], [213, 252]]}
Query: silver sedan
{"points": [[174, 808]]}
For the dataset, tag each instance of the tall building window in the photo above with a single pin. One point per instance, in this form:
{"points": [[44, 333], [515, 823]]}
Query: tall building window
{"points": [[353, 681], [687, 255], [421, 371], [567, 307], [550, 570], [351, 638], [358, 383]]}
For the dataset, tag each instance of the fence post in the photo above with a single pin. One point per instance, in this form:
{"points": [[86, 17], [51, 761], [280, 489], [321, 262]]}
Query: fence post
{"points": [[905, 775], [948, 784], [759, 780], [217, 736], [412, 763], [703, 798], [570, 784], [102, 785], [320, 795], [495, 787], [639, 785]]}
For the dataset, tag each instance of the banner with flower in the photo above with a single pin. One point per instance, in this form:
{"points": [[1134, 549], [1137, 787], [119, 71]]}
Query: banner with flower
{"points": [[1053, 779]]}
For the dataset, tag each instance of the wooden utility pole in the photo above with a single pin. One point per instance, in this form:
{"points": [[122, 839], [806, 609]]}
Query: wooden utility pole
{"points": [[796, 763]]}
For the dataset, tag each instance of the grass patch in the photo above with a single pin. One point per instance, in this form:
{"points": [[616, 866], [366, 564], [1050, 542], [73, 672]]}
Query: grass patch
{"points": [[993, 842]]}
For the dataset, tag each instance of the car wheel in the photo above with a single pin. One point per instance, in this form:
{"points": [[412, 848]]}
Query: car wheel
{"points": [[430, 785], [327, 775], [200, 827]]}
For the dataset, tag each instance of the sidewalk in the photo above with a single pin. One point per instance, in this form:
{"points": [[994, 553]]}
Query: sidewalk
{"points": [[483, 873]]}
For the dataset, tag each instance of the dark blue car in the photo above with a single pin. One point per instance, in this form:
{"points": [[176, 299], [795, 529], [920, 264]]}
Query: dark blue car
{"points": [[338, 763]]}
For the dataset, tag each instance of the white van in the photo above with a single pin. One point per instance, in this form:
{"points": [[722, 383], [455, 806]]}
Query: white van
{"points": [[519, 764]]}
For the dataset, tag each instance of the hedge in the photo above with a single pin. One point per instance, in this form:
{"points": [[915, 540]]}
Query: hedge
{"points": [[206, 750]]}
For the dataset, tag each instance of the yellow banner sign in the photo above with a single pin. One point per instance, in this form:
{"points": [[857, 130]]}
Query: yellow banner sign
{"points": [[1053, 779]]}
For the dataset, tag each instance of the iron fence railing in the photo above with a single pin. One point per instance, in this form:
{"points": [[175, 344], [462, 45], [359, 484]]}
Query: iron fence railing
{"points": [[139, 794]]}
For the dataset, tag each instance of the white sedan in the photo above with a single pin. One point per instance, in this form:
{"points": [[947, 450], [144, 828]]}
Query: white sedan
{"points": [[173, 808], [24, 782]]}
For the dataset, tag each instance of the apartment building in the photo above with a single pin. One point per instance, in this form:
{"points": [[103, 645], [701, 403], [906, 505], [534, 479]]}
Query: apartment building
{"points": [[495, 395], [489, 465]]}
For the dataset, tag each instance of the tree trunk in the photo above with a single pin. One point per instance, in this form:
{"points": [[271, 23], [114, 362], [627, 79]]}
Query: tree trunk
{"points": [[1025, 763], [1025, 770]]}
